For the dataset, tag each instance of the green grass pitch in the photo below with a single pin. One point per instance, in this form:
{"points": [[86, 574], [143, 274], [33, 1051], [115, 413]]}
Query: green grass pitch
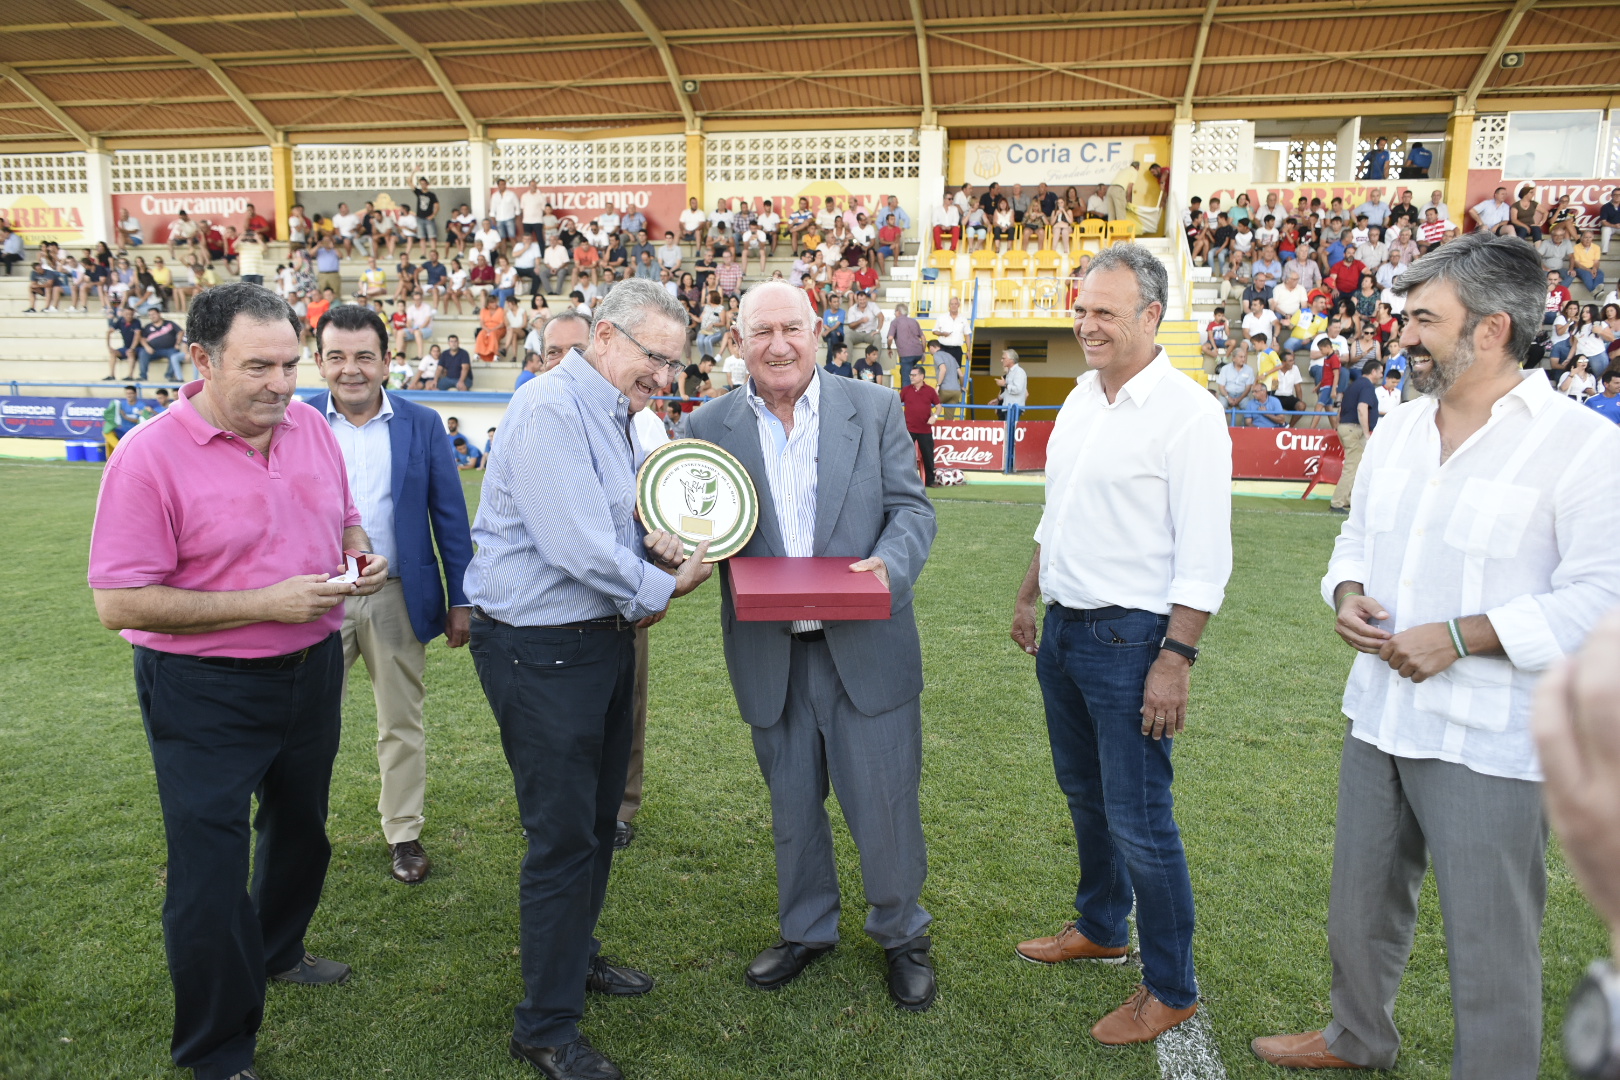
{"points": [[84, 991]]}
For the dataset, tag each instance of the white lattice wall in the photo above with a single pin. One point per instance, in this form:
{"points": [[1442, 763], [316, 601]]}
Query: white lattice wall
{"points": [[1490, 141], [43, 174], [642, 159], [375, 167], [1217, 147], [136, 172], [1311, 161], [811, 155]]}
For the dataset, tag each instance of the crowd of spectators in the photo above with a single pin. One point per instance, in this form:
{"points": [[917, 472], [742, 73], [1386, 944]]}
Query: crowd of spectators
{"points": [[1038, 219], [1313, 285]]}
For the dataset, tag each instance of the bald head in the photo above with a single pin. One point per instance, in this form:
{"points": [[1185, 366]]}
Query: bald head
{"points": [[774, 294]]}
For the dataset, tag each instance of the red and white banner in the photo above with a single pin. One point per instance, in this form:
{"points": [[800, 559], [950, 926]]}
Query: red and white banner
{"points": [[980, 445], [660, 204], [1586, 195], [158, 212], [1284, 454]]}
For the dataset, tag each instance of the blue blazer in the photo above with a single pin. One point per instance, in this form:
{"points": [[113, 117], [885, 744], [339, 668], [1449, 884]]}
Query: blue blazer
{"points": [[428, 505]]}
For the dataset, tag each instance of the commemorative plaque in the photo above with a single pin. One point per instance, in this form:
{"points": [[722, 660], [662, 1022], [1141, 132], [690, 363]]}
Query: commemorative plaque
{"points": [[698, 491]]}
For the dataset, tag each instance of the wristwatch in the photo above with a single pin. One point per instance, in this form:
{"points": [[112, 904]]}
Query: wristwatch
{"points": [[1180, 647], [1592, 1024]]}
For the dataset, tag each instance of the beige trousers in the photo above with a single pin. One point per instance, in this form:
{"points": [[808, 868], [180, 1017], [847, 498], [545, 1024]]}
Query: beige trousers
{"points": [[638, 741], [1117, 210], [1355, 441], [378, 627]]}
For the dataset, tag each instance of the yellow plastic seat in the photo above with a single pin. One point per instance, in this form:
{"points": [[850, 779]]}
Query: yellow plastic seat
{"points": [[1121, 230], [942, 259], [984, 259], [1008, 294], [1016, 259], [1090, 230], [1048, 260]]}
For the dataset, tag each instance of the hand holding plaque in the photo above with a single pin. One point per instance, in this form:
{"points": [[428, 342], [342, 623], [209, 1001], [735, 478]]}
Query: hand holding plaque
{"points": [[695, 490]]}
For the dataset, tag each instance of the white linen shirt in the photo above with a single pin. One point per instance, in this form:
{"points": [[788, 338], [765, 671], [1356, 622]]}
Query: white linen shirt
{"points": [[1138, 496], [790, 469], [1519, 525], [368, 458]]}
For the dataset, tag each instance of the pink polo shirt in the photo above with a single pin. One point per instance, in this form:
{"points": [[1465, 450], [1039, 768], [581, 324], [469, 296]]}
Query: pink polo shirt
{"points": [[187, 505]]}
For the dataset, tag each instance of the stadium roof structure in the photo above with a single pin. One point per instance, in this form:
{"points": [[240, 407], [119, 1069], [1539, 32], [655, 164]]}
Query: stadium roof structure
{"points": [[160, 73]]}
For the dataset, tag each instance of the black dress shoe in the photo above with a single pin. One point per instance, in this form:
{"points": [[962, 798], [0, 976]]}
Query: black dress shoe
{"points": [[622, 835], [911, 976], [314, 971], [411, 863], [781, 964], [578, 1060], [606, 977]]}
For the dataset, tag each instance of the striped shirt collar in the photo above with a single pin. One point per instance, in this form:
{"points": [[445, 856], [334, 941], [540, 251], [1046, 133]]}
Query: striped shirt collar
{"points": [[592, 387], [386, 413], [810, 399]]}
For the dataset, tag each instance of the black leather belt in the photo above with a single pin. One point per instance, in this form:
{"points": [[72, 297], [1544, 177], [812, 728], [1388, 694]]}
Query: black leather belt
{"points": [[1093, 614], [606, 622], [811, 635], [259, 663]]}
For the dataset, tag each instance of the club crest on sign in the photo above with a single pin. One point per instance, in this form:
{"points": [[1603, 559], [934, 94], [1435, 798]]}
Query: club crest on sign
{"points": [[702, 487], [988, 164]]}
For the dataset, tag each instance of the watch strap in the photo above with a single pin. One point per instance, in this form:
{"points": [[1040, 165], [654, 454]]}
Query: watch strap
{"points": [[1180, 647]]}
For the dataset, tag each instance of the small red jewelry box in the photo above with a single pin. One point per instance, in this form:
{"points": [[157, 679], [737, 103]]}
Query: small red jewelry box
{"points": [[778, 590]]}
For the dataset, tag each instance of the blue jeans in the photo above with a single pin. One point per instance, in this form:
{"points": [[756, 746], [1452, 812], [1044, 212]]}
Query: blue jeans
{"points": [[176, 366], [1590, 278], [1092, 667]]}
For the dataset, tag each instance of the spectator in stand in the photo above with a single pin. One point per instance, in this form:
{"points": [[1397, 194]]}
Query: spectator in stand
{"points": [[1234, 379], [919, 401], [769, 224], [1609, 215], [1584, 260], [122, 331], [159, 339], [1358, 416], [729, 274], [947, 224], [863, 323], [373, 281], [182, 235], [1607, 404], [1495, 214], [1389, 394], [694, 223], [455, 367], [1286, 384], [1260, 410], [1555, 252], [1217, 339], [504, 207], [838, 361], [904, 338], [1557, 296], [128, 229]]}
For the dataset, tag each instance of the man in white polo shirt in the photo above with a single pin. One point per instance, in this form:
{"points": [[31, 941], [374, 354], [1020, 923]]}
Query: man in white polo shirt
{"points": [[1492, 214]]}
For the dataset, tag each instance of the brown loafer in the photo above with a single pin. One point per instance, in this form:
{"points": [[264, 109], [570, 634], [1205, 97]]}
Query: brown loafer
{"points": [[410, 862], [1070, 944], [1307, 1050], [1141, 1019]]}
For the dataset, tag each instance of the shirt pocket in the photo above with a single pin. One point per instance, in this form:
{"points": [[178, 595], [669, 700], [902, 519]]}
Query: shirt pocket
{"points": [[1385, 486], [1490, 518], [1475, 692]]}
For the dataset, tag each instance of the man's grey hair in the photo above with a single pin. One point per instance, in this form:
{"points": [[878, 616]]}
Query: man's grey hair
{"points": [[750, 297], [1012, 353], [568, 315], [632, 301], [214, 311], [1152, 280], [1490, 273], [902, 309]]}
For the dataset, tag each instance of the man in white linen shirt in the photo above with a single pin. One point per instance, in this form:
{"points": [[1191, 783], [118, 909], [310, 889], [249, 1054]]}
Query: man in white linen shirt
{"points": [[504, 207], [1140, 455], [1478, 552]]}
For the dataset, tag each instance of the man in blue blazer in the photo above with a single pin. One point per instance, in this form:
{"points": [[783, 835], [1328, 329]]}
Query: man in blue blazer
{"points": [[403, 476]]}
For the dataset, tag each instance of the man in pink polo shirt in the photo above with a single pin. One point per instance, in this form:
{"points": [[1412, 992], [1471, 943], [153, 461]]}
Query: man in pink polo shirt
{"points": [[219, 531]]}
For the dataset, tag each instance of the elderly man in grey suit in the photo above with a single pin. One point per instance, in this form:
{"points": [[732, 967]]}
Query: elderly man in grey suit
{"points": [[831, 703]]}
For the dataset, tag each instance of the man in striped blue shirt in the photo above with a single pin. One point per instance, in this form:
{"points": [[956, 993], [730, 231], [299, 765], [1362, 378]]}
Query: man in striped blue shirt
{"points": [[562, 577]]}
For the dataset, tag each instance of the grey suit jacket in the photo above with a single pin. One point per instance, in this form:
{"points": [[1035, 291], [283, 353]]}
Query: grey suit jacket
{"points": [[869, 501]]}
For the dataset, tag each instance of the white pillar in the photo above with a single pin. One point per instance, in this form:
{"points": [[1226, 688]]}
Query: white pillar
{"points": [[98, 178], [1181, 134], [1349, 156], [934, 150], [480, 153]]}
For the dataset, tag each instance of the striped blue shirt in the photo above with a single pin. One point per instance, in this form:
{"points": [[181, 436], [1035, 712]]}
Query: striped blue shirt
{"points": [[790, 468], [556, 533], [368, 456]]}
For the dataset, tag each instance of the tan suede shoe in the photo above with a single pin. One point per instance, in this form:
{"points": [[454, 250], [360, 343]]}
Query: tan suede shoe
{"points": [[1069, 944], [1141, 1019], [1307, 1050]]}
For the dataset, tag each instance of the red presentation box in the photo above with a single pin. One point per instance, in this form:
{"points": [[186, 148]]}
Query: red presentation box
{"points": [[778, 590]]}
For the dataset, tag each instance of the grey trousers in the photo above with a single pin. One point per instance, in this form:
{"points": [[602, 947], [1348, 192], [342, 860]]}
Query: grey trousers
{"points": [[1487, 836], [874, 764]]}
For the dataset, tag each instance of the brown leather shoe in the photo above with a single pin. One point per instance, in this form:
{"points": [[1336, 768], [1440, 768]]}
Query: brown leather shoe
{"points": [[1070, 944], [1141, 1019], [1307, 1050], [410, 862]]}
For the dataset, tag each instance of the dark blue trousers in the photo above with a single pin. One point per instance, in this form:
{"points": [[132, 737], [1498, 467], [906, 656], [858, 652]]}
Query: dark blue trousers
{"points": [[1092, 667], [221, 737], [564, 701]]}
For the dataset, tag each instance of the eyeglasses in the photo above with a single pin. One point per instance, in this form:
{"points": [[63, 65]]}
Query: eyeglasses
{"points": [[674, 366]]}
